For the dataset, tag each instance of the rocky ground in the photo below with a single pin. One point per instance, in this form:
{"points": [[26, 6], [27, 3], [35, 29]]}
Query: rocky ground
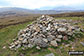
{"points": [[9, 34], [46, 32]]}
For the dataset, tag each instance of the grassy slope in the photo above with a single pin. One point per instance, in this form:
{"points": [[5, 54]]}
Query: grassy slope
{"points": [[10, 32]]}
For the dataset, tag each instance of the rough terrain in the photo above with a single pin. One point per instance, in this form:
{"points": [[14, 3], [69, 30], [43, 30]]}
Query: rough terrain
{"points": [[46, 31]]}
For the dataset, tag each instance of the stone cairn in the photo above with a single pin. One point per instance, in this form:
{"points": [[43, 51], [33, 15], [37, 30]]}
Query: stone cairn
{"points": [[44, 32]]}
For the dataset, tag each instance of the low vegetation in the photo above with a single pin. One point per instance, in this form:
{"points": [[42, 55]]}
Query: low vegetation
{"points": [[16, 19]]}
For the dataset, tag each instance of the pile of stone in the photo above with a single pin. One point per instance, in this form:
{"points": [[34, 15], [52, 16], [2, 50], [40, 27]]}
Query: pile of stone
{"points": [[45, 31]]}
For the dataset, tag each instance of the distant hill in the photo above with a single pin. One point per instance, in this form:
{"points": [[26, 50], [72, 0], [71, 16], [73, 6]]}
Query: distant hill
{"points": [[13, 11], [25, 11], [22, 11]]}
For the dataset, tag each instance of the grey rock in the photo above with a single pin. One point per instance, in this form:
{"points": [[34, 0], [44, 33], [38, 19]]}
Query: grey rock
{"points": [[40, 26], [70, 33], [56, 26], [54, 43], [65, 38], [78, 29], [21, 54], [51, 54], [45, 40], [20, 32], [43, 30], [35, 33], [12, 46], [50, 37], [58, 40], [59, 36], [73, 28], [43, 16], [48, 27], [82, 30], [23, 35], [67, 45], [43, 44], [18, 46], [61, 47], [61, 29], [20, 38], [4, 47], [82, 43], [37, 47], [24, 41], [30, 45]]}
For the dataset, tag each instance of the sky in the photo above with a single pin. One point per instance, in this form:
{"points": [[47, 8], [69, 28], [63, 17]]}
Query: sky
{"points": [[41, 4]]}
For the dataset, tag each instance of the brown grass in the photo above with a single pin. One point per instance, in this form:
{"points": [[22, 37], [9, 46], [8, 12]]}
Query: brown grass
{"points": [[72, 14], [14, 20]]}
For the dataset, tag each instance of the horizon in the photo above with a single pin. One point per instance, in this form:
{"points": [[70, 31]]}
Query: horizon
{"points": [[44, 4]]}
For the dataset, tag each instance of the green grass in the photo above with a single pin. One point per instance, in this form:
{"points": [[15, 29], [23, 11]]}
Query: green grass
{"points": [[9, 33]]}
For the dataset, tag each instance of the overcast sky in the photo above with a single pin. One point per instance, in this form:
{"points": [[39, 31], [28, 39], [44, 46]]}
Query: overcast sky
{"points": [[36, 4]]}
